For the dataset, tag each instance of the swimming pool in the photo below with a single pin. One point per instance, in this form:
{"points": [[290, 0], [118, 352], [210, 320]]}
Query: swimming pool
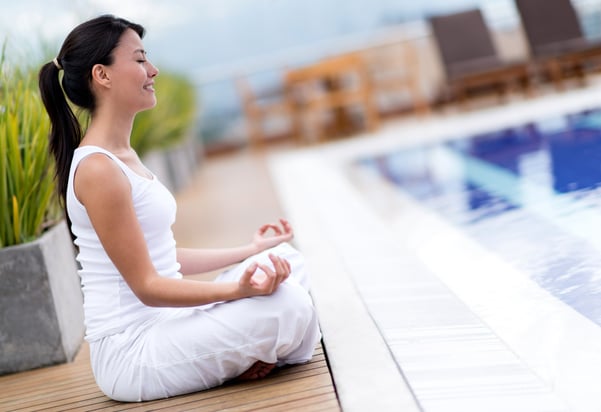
{"points": [[529, 193], [464, 250], [506, 216]]}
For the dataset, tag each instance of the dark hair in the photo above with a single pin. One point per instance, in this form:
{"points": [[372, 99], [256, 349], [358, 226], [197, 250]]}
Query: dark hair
{"points": [[88, 44]]}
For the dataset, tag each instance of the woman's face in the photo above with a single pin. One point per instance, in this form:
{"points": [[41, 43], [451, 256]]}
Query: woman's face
{"points": [[132, 75]]}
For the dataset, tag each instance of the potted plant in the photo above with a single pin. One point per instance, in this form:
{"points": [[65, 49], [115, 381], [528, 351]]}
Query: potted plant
{"points": [[41, 306]]}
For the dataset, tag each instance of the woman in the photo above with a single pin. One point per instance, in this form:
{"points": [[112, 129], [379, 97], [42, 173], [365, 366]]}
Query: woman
{"points": [[153, 333]]}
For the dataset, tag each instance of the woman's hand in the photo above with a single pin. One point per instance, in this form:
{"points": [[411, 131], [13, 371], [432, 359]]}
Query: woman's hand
{"points": [[194, 261], [254, 283], [282, 233]]}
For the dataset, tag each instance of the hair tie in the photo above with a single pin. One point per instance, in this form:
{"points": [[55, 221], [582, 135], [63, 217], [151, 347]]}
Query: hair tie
{"points": [[57, 64]]}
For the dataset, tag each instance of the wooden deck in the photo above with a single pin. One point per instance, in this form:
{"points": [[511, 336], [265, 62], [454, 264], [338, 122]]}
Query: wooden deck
{"points": [[71, 387], [207, 217]]}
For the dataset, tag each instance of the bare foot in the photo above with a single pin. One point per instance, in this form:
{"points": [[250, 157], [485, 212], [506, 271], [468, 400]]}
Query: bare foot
{"points": [[258, 370]]}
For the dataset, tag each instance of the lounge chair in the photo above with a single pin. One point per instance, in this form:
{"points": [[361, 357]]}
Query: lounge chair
{"points": [[469, 56], [556, 39]]}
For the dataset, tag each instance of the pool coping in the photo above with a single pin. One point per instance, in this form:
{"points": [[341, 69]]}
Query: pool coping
{"points": [[364, 371]]}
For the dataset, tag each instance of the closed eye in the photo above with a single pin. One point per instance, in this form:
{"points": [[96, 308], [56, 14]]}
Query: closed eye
{"points": [[141, 53]]}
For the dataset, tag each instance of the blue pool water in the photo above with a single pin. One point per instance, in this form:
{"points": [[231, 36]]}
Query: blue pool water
{"points": [[531, 194]]}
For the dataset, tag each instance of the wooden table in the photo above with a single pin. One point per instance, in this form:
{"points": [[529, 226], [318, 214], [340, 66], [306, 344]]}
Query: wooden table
{"points": [[331, 87]]}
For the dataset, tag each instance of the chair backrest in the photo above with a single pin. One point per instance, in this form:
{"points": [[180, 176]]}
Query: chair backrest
{"points": [[548, 23], [464, 42]]}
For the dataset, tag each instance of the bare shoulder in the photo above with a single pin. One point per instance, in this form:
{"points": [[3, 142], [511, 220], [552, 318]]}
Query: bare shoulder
{"points": [[99, 175]]}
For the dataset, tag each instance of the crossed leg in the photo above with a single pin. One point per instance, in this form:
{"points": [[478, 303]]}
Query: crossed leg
{"points": [[258, 370]]}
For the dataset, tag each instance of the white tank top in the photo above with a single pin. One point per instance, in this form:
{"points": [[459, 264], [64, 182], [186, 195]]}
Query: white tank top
{"points": [[110, 306]]}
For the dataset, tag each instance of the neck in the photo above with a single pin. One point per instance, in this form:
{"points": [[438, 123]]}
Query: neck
{"points": [[110, 129]]}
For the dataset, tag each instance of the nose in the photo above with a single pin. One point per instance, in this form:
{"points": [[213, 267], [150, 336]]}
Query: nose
{"points": [[153, 70]]}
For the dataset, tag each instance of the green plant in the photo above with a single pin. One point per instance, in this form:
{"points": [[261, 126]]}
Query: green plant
{"points": [[169, 122], [28, 203]]}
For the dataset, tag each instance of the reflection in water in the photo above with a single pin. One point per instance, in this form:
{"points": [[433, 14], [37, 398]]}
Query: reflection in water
{"points": [[519, 192]]}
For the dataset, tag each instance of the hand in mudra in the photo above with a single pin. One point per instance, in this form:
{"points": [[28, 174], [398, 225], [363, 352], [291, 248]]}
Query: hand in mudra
{"points": [[259, 279], [263, 239]]}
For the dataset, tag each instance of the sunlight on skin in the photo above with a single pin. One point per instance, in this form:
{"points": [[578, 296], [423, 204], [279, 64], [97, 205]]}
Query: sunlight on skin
{"points": [[259, 277]]}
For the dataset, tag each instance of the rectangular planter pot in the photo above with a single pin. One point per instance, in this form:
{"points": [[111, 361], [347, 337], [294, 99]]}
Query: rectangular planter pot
{"points": [[41, 303], [175, 166]]}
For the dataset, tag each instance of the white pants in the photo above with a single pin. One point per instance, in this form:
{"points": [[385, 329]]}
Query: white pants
{"points": [[191, 349]]}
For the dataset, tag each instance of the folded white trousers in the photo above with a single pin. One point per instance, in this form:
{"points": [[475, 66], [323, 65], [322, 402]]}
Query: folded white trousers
{"points": [[190, 349]]}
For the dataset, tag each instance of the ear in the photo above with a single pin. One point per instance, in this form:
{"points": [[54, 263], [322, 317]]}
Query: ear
{"points": [[100, 75]]}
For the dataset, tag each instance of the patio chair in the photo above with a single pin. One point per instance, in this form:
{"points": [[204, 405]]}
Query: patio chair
{"points": [[469, 56], [268, 116], [395, 76], [332, 88], [556, 39]]}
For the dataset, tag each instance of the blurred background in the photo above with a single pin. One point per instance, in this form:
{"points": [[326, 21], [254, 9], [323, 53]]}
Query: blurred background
{"points": [[215, 42], [240, 74]]}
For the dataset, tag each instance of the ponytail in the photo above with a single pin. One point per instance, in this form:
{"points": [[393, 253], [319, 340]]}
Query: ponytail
{"points": [[65, 131], [90, 43]]}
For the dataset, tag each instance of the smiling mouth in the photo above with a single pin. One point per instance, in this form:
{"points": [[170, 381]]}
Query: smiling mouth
{"points": [[149, 87]]}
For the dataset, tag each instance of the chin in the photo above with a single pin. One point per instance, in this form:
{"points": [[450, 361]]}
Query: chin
{"points": [[148, 106]]}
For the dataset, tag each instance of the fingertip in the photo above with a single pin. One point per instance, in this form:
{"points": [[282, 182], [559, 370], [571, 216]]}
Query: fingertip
{"points": [[267, 270]]}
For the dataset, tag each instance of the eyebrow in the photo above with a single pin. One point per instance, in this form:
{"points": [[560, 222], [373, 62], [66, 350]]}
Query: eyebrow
{"points": [[140, 51]]}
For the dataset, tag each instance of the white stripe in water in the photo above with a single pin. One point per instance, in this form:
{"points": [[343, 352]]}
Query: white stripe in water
{"points": [[559, 344], [540, 200]]}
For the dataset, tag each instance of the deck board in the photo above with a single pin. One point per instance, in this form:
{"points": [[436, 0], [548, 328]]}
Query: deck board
{"points": [[71, 387]]}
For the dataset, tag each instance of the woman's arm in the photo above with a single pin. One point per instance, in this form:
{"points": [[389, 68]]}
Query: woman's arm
{"points": [[104, 190], [195, 261]]}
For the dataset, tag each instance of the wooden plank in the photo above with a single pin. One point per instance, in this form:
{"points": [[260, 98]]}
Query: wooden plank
{"points": [[314, 403], [206, 397], [50, 392], [250, 399], [273, 404], [306, 387], [59, 399], [73, 370], [246, 389]]}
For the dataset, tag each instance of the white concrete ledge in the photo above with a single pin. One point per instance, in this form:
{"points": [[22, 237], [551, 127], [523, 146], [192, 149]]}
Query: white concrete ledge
{"points": [[364, 371]]}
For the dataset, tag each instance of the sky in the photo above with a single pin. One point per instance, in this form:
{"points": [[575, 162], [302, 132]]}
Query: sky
{"points": [[211, 41], [189, 35]]}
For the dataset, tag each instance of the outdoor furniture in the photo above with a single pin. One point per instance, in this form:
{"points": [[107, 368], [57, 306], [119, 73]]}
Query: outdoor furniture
{"points": [[328, 91], [470, 59], [556, 39], [395, 76], [268, 116]]}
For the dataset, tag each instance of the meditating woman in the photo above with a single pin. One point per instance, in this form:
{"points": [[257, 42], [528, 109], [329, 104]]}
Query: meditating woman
{"points": [[152, 332]]}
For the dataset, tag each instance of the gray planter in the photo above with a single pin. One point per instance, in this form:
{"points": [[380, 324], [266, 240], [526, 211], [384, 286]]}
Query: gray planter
{"points": [[176, 165], [41, 303]]}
